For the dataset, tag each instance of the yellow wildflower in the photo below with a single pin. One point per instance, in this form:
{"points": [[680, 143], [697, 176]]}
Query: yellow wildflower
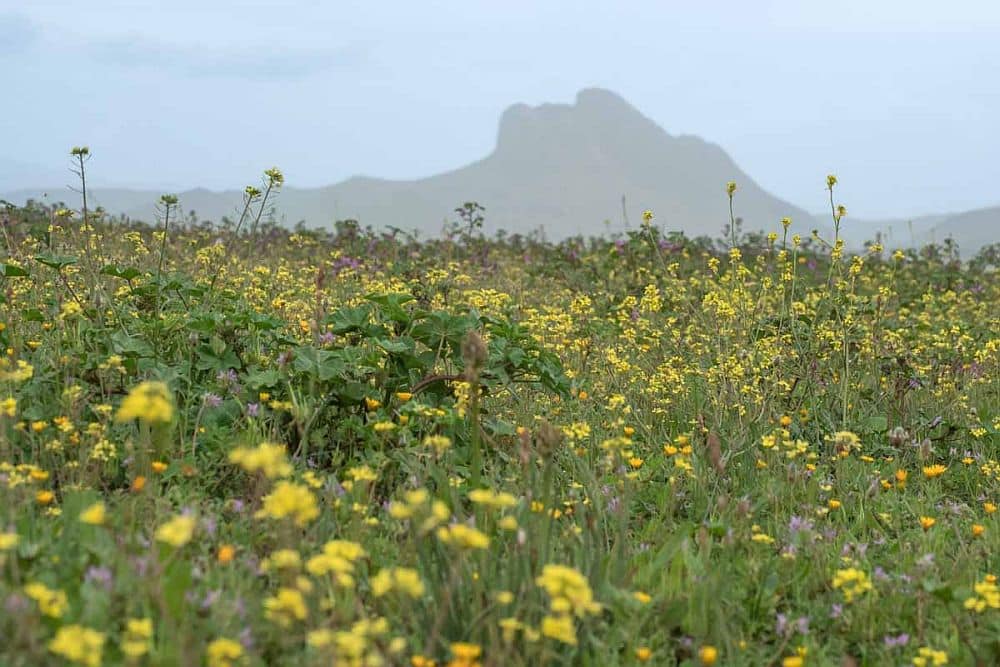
{"points": [[94, 515], [78, 644], [177, 532], [402, 579], [708, 655], [286, 606], [852, 582], [8, 541], [51, 603], [492, 499], [224, 652], [267, 458], [936, 470], [463, 537], [290, 500], [149, 402]]}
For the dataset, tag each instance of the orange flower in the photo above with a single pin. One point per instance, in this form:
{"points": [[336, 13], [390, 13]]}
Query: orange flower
{"points": [[226, 553], [159, 466], [138, 484], [936, 470], [927, 522]]}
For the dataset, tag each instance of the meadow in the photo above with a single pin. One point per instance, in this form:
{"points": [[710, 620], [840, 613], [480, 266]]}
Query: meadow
{"points": [[245, 445]]}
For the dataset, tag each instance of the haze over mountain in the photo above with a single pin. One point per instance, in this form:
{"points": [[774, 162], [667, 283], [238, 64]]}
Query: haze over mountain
{"points": [[562, 168]]}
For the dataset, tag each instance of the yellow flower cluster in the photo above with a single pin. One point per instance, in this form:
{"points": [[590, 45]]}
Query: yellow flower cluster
{"points": [[928, 656], [51, 603], [137, 640], [338, 559], [987, 595], [464, 654], [267, 458], [16, 372], [223, 652], [569, 596], [359, 646], [149, 402], [852, 582], [286, 607], [94, 515], [403, 579], [290, 500], [9, 540], [462, 536], [417, 506], [492, 499], [177, 532], [79, 645]]}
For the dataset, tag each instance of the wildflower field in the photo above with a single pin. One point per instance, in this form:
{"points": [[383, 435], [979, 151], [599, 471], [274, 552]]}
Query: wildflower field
{"points": [[244, 445]]}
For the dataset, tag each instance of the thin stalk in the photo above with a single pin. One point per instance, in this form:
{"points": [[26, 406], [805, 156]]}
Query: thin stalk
{"points": [[168, 201]]}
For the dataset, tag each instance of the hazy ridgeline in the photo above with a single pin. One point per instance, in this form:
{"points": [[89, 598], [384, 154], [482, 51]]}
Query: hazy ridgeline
{"points": [[585, 169]]}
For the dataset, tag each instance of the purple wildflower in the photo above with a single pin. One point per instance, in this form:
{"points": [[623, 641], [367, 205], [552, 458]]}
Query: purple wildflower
{"points": [[99, 576]]}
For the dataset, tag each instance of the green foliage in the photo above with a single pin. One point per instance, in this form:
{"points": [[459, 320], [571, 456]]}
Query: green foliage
{"points": [[598, 452]]}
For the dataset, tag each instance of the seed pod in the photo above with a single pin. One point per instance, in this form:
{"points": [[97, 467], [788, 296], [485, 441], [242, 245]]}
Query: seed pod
{"points": [[547, 439], [715, 453], [925, 450], [898, 436], [474, 354]]}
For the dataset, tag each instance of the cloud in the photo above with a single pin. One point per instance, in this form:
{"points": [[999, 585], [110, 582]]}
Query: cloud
{"points": [[262, 63], [17, 34]]}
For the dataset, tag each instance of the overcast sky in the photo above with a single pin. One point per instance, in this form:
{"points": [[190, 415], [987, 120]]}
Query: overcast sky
{"points": [[900, 99]]}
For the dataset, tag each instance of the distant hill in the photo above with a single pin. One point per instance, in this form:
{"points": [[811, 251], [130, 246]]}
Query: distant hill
{"points": [[972, 229], [894, 232], [564, 168]]}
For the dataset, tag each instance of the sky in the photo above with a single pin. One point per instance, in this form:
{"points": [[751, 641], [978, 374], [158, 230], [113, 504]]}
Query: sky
{"points": [[900, 99]]}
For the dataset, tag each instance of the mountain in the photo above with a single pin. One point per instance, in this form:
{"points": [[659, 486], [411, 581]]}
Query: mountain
{"points": [[893, 232], [972, 229], [564, 168]]}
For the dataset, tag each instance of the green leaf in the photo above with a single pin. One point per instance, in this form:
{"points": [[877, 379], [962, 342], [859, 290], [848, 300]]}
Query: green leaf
{"points": [[12, 271], [57, 262], [33, 315], [347, 320], [323, 365], [123, 344], [440, 328], [127, 273], [351, 393], [205, 322], [260, 379], [210, 360], [876, 424], [392, 305], [397, 346]]}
